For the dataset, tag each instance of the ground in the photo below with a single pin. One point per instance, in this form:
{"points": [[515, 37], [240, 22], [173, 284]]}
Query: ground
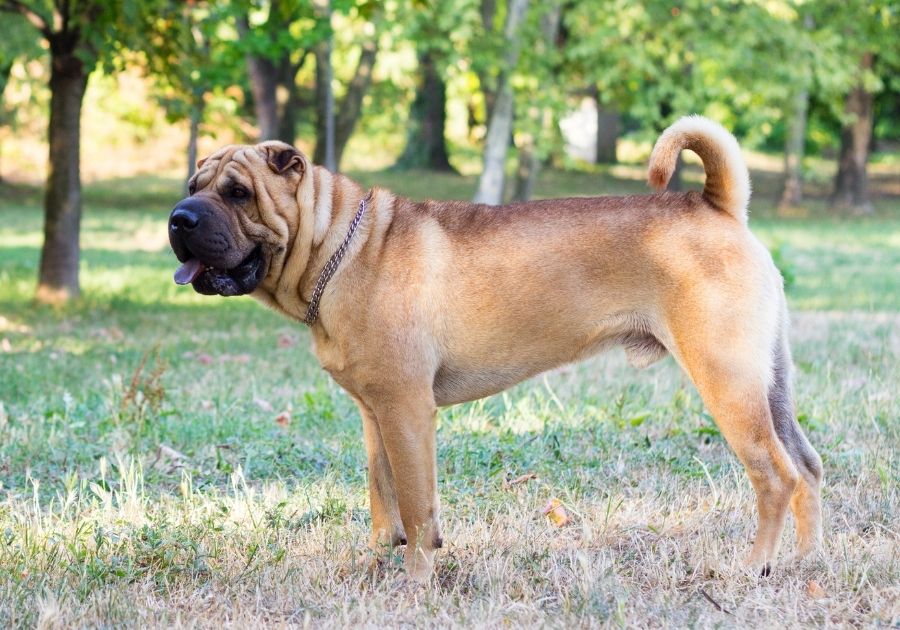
{"points": [[173, 460]]}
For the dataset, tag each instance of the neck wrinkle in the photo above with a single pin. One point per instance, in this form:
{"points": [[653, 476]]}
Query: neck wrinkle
{"points": [[342, 204]]}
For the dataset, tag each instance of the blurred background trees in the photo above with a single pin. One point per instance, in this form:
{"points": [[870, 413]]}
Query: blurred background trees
{"points": [[494, 88]]}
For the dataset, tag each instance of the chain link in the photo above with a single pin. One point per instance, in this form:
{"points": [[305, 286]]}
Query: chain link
{"points": [[312, 311]]}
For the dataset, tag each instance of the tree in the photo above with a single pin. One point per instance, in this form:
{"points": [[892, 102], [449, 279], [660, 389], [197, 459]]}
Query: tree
{"points": [[609, 126], [16, 43], [538, 96], [851, 183], [336, 121], [797, 110], [490, 184], [275, 51], [324, 153], [426, 144], [868, 32], [77, 37], [351, 105], [184, 52]]}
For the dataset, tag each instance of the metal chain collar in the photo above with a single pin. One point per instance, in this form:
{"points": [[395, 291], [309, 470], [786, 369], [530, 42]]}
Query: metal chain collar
{"points": [[312, 311]]}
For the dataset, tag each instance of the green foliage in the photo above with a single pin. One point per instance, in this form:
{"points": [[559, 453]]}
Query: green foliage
{"points": [[186, 48]]}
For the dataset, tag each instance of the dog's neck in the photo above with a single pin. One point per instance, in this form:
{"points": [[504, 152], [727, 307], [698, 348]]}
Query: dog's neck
{"points": [[334, 200]]}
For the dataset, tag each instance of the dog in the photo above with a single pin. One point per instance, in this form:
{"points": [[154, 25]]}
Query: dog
{"points": [[417, 305]]}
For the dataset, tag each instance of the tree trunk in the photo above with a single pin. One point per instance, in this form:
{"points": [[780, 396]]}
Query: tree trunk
{"points": [[609, 126], [324, 152], [351, 106], [488, 88], [264, 87], [851, 189], [529, 159], [263, 76], [527, 172], [58, 280], [195, 118], [676, 183], [287, 121], [792, 195], [426, 145], [5, 71], [490, 185]]}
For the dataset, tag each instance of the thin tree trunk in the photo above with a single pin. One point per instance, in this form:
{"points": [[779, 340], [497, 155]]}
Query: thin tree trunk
{"points": [[58, 279], [490, 185], [194, 123], [851, 182], [792, 194], [609, 126], [488, 88], [5, 71], [795, 138], [527, 171], [351, 106], [529, 158], [676, 183], [426, 145], [324, 152]]}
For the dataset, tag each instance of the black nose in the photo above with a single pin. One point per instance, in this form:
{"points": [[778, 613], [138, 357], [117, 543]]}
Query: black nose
{"points": [[183, 219]]}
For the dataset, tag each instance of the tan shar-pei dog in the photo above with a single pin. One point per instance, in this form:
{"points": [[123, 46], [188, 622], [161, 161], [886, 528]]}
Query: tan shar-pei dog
{"points": [[415, 305]]}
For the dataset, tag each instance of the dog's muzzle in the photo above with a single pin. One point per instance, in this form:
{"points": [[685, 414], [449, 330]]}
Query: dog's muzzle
{"points": [[211, 260]]}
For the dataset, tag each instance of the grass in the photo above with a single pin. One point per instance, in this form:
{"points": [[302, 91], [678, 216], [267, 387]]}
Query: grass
{"points": [[173, 460]]}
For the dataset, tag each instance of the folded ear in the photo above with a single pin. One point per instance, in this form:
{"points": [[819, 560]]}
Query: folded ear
{"points": [[281, 157], [201, 162]]}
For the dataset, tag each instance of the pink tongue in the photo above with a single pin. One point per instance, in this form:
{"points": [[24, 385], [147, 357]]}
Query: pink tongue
{"points": [[189, 271]]}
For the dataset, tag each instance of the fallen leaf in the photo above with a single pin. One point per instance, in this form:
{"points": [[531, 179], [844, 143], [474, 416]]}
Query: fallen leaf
{"points": [[509, 483], [113, 333], [556, 512], [286, 341], [815, 591], [168, 457], [283, 419], [265, 405]]}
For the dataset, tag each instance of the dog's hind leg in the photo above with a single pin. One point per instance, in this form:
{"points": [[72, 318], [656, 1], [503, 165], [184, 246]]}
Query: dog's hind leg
{"points": [[733, 379], [806, 502]]}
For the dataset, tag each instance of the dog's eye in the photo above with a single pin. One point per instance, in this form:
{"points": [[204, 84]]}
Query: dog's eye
{"points": [[239, 192], [192, 187]]}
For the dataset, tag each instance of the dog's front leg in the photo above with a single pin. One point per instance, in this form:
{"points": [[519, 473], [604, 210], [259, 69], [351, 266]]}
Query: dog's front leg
{"points": [[387, 528], [407, 426]]}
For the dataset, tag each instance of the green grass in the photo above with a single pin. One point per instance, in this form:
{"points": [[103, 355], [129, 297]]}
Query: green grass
{"points": [[144, 479]]}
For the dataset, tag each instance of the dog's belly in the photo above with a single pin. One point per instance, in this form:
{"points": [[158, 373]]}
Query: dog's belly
{"points": [[453, 385], [474, 378]]}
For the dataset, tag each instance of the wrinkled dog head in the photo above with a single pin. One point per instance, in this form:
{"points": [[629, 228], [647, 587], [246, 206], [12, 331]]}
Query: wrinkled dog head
{"points": [[241, 213]]}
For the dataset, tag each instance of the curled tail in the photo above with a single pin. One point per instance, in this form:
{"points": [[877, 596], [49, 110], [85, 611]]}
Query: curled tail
{"points": [[727, 180]]}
